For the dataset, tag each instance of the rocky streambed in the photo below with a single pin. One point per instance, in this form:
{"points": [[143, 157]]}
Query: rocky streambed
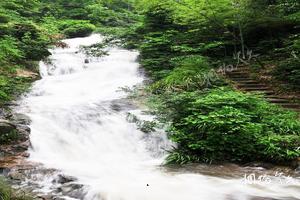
{"points": [[24, 175], [31, 177], [14, 132]]}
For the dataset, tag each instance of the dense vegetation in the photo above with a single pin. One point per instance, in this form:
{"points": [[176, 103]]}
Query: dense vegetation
{"points": [[223, 124], [182, 44]]}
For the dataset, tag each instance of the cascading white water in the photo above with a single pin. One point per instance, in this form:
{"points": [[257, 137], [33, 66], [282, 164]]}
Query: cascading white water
{"points": [[75, 129]]}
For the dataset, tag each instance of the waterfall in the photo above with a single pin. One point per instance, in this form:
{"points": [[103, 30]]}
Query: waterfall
{"points": [[76, 129]]}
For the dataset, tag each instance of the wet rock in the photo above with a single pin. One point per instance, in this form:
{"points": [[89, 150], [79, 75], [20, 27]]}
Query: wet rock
{"points": [[11, 103], [260, 164], [6, 126], [21, 119], [116, 107], [21, 147], [16, 176], [23, 132], [262, 198], [50, 197], [25, 154], [297, 166], [72, 190], [63, 179], [121, 105], [2, 113]]}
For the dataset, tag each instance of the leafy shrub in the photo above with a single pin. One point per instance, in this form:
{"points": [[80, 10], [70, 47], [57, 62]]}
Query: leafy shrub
{"points": [[289, 71], [31, 40], [35, 49], [78, 13], [104, 16], [225, 125], [190, 73], [79, 30], [159, 16], [156, 53], [9, 51], [3, 18], [11, 87], [20, 29]]}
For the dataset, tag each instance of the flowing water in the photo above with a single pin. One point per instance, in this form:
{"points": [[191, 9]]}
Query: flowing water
{"points": [[77, 129]]}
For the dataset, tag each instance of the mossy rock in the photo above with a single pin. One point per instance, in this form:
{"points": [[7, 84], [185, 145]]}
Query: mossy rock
{"points": [[79, 30], [8, 132]]}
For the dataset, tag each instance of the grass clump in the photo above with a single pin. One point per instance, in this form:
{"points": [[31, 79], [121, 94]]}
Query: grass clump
{"points": [[7, 193], [190, 73]]}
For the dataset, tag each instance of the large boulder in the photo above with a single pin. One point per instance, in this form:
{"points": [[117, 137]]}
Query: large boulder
{"points": [[72, 190], [6, 127], [63, 179], [21, 119]]}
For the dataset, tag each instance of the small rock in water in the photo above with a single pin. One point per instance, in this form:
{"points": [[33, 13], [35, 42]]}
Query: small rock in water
{"points": [[72, 190], [63, 179], [24, 132], [16, 176]]}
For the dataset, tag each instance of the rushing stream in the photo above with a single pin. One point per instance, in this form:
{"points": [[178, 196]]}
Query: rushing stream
{"points": [[77, 130]]}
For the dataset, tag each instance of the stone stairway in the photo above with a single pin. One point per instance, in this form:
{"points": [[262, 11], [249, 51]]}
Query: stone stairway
{"points": [[242, 80]]}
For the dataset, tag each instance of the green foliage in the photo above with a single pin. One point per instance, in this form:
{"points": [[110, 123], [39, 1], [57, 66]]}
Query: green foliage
{"points": [[8, 138], [190, 73], [79, 30], [143, 125], [11, 86], [9, 51], [289, 71], [224, 125], [99, 14]]}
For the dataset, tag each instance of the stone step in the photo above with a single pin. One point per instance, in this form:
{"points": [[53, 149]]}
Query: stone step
{"points": [[289, 99], [238, 75], [241, 69], [278, 97], [265, 92], [247, 81], [290, 105], [277, 101], [239, 79], [256, 88], [243, 81], [251, 85], [296, 110]]}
